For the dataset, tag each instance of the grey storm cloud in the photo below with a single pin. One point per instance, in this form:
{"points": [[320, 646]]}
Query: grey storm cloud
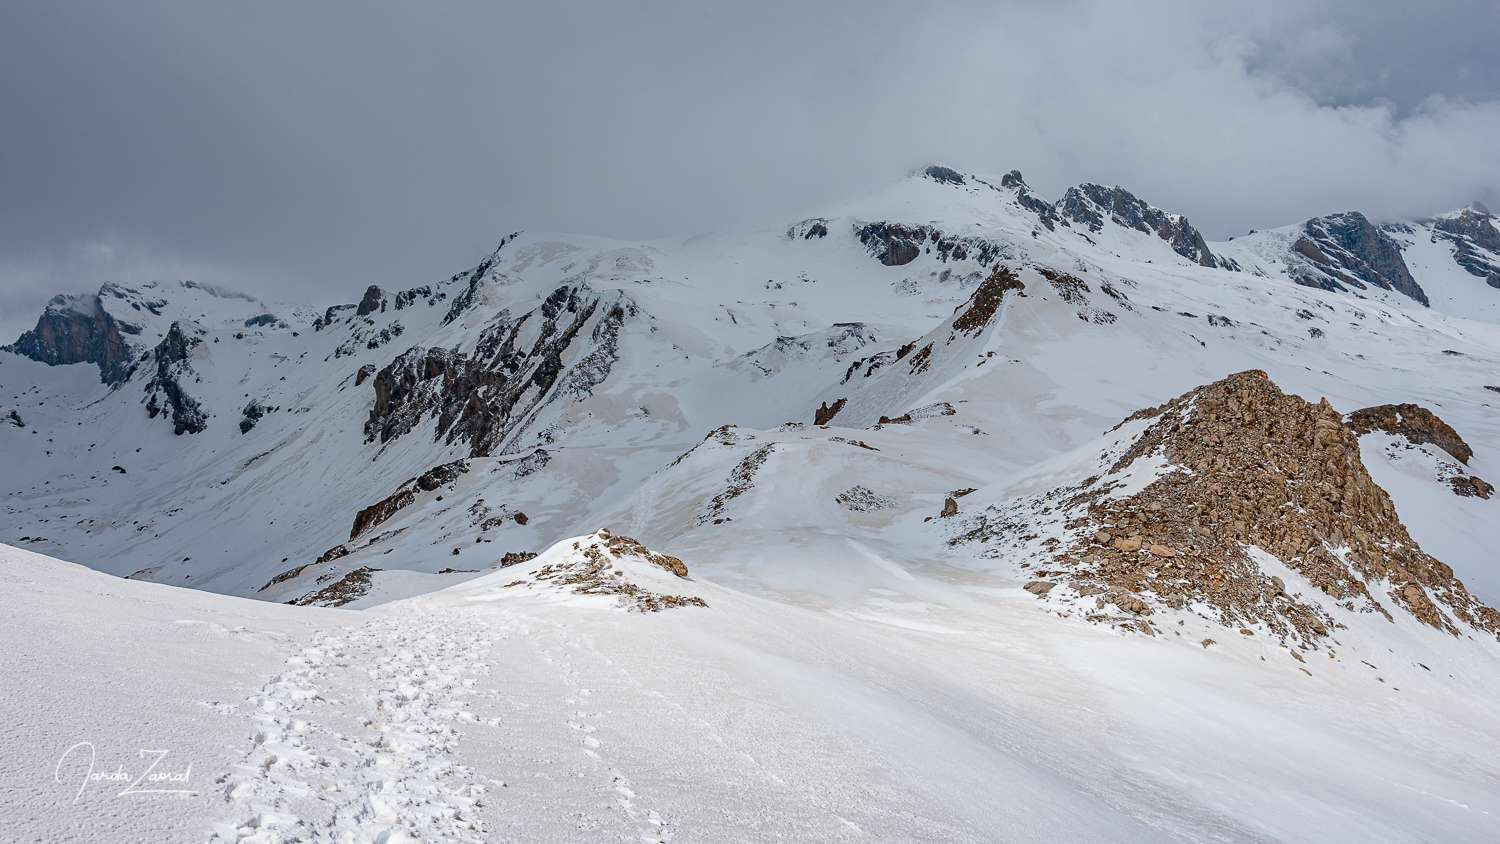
{"points": [[303, 150]]}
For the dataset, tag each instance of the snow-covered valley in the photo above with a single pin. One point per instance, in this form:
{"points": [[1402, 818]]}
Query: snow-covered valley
{"points": [[958, 515]]}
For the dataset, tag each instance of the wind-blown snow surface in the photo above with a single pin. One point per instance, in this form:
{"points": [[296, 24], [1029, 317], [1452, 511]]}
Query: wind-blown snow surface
{"points": [[853, 674], [482, 713]]}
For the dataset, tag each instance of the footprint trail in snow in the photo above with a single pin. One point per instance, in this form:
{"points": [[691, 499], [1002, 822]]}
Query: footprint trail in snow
{"points": [[354, 740]]}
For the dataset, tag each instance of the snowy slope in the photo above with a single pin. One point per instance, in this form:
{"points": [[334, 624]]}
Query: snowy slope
{"points": [[921, 708]]}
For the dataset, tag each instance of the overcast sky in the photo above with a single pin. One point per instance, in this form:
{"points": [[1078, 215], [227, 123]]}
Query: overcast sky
{"points": [[303, 150]]}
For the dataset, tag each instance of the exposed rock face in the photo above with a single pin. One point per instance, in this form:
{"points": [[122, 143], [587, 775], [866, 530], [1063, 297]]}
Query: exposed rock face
{"points": [[824, 414], [592, 572], [1416, 423], [173, 358], [1475, 239], [1091, 204], [897, 244], [264, 320], [477, 278], [839, 339], [1075, 291], [383, 509], [485, 397], [862, 499], [943, 175], [284, 576], [1030, 201], [253, 413], [1469, 486], [808, 229], [350, 587], [1343, 251], [77, 329], [373, 301], [1242, 465], [986, 300], [741, 480]]}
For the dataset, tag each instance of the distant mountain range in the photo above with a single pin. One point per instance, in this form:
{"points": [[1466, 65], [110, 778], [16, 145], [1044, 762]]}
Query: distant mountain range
{"points": [[944, 334]]}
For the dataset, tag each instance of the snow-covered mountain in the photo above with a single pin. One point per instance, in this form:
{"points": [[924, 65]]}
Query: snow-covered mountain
{"points": [[946, 409]]}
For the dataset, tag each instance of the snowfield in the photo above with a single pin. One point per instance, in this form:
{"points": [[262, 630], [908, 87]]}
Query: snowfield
{"points": [[480, 490], [931, 708]]}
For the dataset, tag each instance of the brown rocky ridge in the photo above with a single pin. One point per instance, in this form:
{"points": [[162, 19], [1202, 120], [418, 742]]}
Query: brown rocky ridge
{"points": [[1243, 470]]}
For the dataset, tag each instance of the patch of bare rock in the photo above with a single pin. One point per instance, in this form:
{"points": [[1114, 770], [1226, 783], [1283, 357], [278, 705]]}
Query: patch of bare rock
{"points": [[1246, 467], [1416, 423], [592, 573], [1420, 426], [351, 587]]}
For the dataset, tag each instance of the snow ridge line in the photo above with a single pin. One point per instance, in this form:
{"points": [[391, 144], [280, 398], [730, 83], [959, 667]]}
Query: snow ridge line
{"points": [[390, 778]]}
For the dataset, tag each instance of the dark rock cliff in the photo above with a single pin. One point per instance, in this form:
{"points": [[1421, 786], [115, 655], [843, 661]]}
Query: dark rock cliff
{"points": [[78, 329]]}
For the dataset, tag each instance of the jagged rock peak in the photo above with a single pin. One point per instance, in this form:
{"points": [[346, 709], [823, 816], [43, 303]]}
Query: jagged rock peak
{"points": [[1091, 204], [1246, 471], [1341, 251], [173, 357]]}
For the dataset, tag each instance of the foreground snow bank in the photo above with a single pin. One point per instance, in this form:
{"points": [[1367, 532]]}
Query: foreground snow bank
{"points": [[530, 713]]}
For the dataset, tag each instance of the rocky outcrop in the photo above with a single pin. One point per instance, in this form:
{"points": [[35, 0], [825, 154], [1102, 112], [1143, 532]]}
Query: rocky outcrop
{"points": [[483, 398], [1469, 486], [592, 570], [263, 320], [1343, 251], [741, 481], [173, 359], [986, 300], [350, 587], [373, 301], [898, 244], [1475, 239], [476, 278], [1244, 469], [825, 413], [1091, 205], [1075, 291], [253, 413], [943, 175], [1030, 201], [403, 497], [1414, 422], [78, 329]]}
